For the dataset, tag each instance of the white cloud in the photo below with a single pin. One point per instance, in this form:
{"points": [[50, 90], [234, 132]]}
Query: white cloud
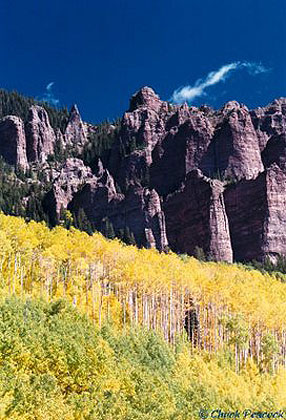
{"points": [[189, 93], [49, 95], [50, 85]]}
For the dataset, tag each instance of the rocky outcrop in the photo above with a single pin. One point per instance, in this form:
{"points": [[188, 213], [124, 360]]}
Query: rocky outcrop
{"points": [[76, 132], [141, 129], [196, 218], [275, 151], [146, 98], [155, 228], [72, 176], [257, 218], [182, 150], [231, 147], [167, 175], [36, 140], [139, 210], [40, 135], [234, 148], [97, 198], [269, 121], [189, 178], [13, 141]]}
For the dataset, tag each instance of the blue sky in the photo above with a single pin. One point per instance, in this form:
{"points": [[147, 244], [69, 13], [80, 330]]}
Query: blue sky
{"points": [[98, 53]]}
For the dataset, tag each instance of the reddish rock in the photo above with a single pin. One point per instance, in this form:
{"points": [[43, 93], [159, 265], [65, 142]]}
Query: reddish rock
{"points": [[155, 230], [235, 144], [160, 144], [269, 121], [183, 149], [142, 127], [39, 134], [163, 158], [13, 141], [76, 131], [181, 114], [257, 218], [139, 211], [161, 178], [72, 176], [196, 217], [97, 197], [147, 98], [275, 151]]}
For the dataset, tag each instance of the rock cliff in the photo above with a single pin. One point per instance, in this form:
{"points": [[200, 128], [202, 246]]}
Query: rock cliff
{"points": [[13, 141], [40, 136], [166, 175], [76, 132], [196, 218]]}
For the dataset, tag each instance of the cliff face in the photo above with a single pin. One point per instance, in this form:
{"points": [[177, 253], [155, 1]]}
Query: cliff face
{"points": [[75, 132], [169, 175], [196, 217], [40, 136], [13, 141], [257, 219]]}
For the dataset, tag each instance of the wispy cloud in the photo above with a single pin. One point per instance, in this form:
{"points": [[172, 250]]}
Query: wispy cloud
{"points": [[189, 93], [49, 95]]}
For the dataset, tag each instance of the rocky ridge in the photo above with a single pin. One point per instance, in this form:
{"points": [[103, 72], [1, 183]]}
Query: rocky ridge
{"points": [[173, 176]]}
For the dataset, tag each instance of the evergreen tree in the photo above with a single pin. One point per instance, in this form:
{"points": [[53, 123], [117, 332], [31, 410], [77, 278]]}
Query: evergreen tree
{"points": [[82, 222], [107, 228], [128, 236], [199, 254]]}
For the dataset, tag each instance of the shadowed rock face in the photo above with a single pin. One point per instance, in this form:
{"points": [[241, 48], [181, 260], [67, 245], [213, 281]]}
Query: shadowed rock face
{"points": [[181, 150], [275, 151], [139, 210], [257, 218], [196, 217], [269, 121], [175, 175], [13, 141]]}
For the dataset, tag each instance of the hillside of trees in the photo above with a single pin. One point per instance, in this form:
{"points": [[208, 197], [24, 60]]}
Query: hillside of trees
{"points": [[94, 329]]}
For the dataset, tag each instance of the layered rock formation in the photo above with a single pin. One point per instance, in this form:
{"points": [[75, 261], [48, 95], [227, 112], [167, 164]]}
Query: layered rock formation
{"points": [[13, 141], [139, 210], [170, 175], [34, 140], [71, 177], [196, 218], [40, 136], [235, 144], [257, 218], [76, 132]]}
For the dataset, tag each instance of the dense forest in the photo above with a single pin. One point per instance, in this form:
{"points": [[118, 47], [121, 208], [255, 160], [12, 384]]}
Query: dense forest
{"points": [[93, 329]]}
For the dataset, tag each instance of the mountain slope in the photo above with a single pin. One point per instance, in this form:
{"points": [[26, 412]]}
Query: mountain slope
{"points": [[55, 364], [164, 176], [93, 329]]}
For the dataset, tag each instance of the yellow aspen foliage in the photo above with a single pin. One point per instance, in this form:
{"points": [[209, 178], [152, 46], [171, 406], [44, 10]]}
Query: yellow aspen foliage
{"points": [[111, 282]]}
